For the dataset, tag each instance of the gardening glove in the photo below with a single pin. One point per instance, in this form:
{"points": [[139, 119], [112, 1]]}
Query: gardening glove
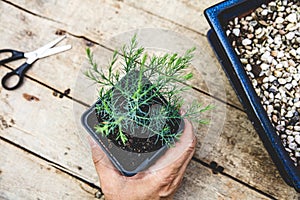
{"points": [[160, 181]]}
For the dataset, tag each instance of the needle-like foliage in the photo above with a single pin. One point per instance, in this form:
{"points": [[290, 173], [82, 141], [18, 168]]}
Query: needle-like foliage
{"points": [[147, 99]]}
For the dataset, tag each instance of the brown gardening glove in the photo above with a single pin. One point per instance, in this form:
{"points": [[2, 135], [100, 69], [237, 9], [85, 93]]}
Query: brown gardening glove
{"points": [[155, 183]]}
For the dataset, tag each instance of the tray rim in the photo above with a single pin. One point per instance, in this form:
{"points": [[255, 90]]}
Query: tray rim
{"points": [[246, 93]]}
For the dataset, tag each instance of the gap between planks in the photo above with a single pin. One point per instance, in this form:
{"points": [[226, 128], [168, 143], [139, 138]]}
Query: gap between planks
{"points": [[53, 164]]}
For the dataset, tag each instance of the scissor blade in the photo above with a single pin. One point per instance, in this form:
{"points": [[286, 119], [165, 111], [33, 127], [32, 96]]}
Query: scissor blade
{"points": [[42, 49], [54, 50]]}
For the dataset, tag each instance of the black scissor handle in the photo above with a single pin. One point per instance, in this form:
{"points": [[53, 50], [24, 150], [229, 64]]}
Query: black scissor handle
{"points": [[19, 72], [15, 55]]}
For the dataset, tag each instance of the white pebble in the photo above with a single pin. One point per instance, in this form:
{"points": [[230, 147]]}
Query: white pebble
{"points": [[293, 146], [270, 109], [264, 12], [297, 128], [291, 27], [258, 31], [274, 62], [270, 40], [296, 77], [290, 139], [278, 73], [280, 8], [292, 63], [285, 64], [272, 4], [264, 66], [292, 70], [258, 91], [294, 83], [297, 104], [289, 132], [228, 32], [253, 23], [278, 96], [248, 67], [244, 60], [290, 35], [273, 88], [271, 96], [279, 66], [296, 133], [265, 56], [279, 20], [289, 114], [293, 52], [298, 50], [283, 136], [288, 86], [297, 139], [265, 85], [254, 82], [280, 54], [292, 18], [265, 80], [289, 78], [236, 32], [272, 78], [288, 150], [277, 40], [282, 81], [246, 42]]}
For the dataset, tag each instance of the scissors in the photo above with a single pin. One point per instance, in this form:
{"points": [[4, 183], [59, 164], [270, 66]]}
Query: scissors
{"points": [[32, 56]]}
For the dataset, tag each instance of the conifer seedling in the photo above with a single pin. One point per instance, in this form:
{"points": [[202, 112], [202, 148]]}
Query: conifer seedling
{"points": [[140, 112]]}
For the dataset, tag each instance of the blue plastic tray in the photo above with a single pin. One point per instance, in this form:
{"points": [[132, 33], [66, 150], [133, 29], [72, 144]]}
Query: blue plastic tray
{"points": [[218, 17]]}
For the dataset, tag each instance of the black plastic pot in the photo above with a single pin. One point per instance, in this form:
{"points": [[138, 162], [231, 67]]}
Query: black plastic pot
{"points": [[128, 160], [218, 17]]}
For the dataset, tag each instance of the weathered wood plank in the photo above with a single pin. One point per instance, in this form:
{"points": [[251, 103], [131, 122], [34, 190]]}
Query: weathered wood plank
{"points": [[111, 18], [23, 176], [189, 13], [46, 126], [211, 187]]}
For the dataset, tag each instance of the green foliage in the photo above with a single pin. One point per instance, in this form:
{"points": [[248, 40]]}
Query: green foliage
{"points": [[148, 80]]}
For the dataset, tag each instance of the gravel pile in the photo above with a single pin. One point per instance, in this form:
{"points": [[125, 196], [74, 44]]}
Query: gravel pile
{"points": [[267, 42]]}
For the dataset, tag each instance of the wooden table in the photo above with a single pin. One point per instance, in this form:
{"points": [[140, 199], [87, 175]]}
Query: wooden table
{"points": [[43, 152]]}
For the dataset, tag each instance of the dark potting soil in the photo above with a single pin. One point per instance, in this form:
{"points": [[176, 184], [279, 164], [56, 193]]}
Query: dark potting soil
{"points": [[140, 144], [139, 140]]}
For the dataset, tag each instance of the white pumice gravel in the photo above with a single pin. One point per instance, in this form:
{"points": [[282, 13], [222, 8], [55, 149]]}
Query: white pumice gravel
{"points": [[267, 42]]}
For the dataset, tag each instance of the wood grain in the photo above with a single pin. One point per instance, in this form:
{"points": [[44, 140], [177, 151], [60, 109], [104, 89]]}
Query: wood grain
{"points": [[189, 13], [23, 176], [233, 144]]}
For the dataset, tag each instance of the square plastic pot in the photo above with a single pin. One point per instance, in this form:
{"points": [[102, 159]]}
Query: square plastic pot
{"points": [[128, 162], [218, 17]]}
